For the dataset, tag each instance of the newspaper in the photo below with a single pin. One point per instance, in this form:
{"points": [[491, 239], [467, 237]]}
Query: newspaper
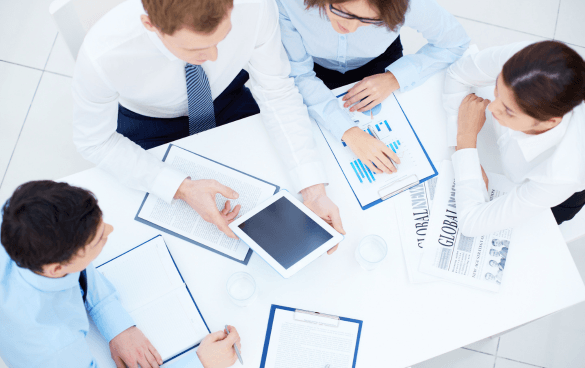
{"points": [[448, 254], [413, 210]]}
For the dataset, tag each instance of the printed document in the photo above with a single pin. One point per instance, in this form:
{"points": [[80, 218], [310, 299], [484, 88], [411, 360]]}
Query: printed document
{"points": [[448, 254], [178, 217], [152, 291], [300, 344], [388, 123], [413, 211]]}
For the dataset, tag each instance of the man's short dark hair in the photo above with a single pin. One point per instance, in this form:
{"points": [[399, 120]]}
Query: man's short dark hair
{"points": [[46, 222]]}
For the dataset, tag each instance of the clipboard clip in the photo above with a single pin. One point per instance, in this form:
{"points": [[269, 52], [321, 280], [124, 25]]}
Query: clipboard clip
{"points": [[316, 318], [398, 186]]}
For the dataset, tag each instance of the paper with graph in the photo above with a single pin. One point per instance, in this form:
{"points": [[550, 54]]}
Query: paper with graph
{"points": [[388, 123]]}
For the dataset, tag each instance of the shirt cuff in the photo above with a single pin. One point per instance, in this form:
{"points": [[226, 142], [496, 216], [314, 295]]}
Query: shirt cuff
{"points": [[167, 183], [307, 175], [112, 319], [340, 122], [466, 165], [405, 73], [452, 131]]}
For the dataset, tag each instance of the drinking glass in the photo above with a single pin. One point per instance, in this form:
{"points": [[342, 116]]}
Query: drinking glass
{"points": [[371, 252], [241, 288]]}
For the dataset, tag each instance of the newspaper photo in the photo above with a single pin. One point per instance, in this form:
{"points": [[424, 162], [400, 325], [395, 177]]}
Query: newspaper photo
{"points": [[448, 254], [413, 210]]}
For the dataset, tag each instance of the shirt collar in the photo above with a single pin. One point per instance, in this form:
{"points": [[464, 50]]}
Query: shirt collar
{"points": [[533, 145], [44, 283]]}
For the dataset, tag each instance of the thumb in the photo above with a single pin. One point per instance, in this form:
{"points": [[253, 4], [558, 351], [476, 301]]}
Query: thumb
{"points": [[232, 338], [226, 191]]}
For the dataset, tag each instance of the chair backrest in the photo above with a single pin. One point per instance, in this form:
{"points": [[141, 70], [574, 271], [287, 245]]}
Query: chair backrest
{"points": [[74, 18]]}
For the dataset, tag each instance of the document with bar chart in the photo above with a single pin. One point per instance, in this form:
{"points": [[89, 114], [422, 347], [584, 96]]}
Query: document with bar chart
{"points": [[388, 123]]}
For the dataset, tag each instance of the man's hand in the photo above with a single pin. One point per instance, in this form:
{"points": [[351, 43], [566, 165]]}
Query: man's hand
{"points": [[470, 120], [131, 348], [371, 151], [371, 91], [216, 349], [200, 195], [316, 199]]}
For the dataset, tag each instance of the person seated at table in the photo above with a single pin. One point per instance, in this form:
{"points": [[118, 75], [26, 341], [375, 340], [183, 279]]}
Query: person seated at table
{"points": [[538, 115], [332, 43], [153, 71], [50, 234]]}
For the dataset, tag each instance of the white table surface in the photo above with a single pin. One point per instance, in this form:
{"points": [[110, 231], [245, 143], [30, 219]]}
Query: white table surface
{"points": [[403, 323]]}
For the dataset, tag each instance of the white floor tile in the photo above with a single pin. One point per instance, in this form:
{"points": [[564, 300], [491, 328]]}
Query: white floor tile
{"points": [[17, 88], [411, 40], [61, 61], [489, 345], [485, 35], [2, 364], [537, 17], [570, 26], [45, 149], [27, 32], [505, 363], [459, 358]]}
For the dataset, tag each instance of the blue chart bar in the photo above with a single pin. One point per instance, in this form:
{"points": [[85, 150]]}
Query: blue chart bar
{"points": [[398, 142], [385, 122], [395, 145], [355, 170], [370, 133], [371, 174], [391, 146], [364, 169], [378, 127], [358, 167]]}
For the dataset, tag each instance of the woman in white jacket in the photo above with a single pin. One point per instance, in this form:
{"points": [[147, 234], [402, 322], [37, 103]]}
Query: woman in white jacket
{"points": [[539, 119]]}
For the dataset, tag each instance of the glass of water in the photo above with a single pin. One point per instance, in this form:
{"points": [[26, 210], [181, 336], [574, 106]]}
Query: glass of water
{"points": [[371, 252], [241, 288]]}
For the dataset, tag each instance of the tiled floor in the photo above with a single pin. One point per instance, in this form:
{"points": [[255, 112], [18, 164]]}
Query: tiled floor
{"points": [[35, 139]]}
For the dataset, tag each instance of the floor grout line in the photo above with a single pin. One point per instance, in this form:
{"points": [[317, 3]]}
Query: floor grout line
{"points": [[25, 66], [477, 351], [557, 21], [497, 349], [62, 75], [519, 361], [50, 52], [509, 29]]}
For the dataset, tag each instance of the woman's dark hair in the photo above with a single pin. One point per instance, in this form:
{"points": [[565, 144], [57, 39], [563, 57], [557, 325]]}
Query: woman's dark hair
{"points": [[391, 12], [548, 79], [46, 222]]}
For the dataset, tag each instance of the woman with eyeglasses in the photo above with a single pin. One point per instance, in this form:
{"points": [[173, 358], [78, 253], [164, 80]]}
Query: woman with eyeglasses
{"points": [[331, 43], [538, 115]]}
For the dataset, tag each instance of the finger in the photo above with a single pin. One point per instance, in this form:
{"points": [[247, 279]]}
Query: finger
{"points": [[156, 355], [336, 221], [388, 163], [356, 98], [217, 336], [226, 191], [218, 220], [144, 363], [388, 152], [383, 166], [151, 360], [486, 102], [232, 338], [226, 208], [371, 166], [232, 215], [366, 100], [367, 104], [469, 97], [330, 251], [357, 88], [119, 362]]}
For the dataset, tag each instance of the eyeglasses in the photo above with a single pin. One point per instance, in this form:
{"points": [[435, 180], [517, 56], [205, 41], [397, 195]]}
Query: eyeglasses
{"points": [[351, 16]]}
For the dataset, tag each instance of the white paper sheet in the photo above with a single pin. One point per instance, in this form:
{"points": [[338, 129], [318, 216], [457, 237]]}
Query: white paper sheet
{"points": [[448, 254], [413, 211], [180, 218], [391, 126], [295, 344]]}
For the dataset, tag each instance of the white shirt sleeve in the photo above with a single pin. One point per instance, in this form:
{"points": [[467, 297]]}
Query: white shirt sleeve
{"points": [[281, 105], [478, 216], [476, 70], [95, 119]]}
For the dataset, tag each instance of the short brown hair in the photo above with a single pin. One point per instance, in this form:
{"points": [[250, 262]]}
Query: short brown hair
{"points": [[548, 79], [391, 12], [201, 16], [46, 222]]}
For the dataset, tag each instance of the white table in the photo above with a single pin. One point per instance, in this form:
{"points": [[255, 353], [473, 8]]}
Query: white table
{"points": [[403, 323]]}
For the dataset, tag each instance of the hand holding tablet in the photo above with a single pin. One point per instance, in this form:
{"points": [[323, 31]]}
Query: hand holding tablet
{"points": [[285, 233]]}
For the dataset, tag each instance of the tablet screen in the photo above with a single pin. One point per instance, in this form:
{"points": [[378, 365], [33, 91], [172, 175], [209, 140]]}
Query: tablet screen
{"points": [[285, 232]]}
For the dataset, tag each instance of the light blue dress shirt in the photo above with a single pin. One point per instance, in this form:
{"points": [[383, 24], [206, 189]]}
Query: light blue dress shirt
{"points": [[43, 322], [308, 38]]}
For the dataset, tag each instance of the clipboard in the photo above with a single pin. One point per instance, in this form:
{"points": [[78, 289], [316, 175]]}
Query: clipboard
{"points": [[311, 318], [173, 233], [362, 172]]}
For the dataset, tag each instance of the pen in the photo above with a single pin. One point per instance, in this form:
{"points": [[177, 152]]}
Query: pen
{"points": [[371, 115], [235, 347]]}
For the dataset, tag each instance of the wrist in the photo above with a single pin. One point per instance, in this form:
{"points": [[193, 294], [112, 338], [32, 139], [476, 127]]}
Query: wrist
{"points": [[180, 194], [392, 80], [350, 133], [466, 141], [313, 192]]}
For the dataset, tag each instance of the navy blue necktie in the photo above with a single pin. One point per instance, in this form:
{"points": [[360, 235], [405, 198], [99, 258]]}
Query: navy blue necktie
{"points": [[201, 114], [83, 284]]}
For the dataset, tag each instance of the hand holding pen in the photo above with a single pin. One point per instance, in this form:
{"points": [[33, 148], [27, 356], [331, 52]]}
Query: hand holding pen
{"points": [[217, 349]]}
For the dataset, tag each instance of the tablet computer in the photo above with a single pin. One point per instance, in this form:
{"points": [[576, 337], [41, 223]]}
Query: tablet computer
{"points": [[285, 233]]}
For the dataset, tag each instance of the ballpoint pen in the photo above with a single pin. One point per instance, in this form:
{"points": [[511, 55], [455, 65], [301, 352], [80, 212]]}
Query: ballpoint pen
{"points": [[235, 347]]}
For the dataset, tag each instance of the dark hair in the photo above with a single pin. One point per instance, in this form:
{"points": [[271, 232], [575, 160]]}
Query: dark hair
{"points": [[548, 79], [391, 12], [202, 16], [46, 222]]}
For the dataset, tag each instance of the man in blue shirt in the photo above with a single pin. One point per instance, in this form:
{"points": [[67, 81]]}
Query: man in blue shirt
{"points": [[50, 234]]}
